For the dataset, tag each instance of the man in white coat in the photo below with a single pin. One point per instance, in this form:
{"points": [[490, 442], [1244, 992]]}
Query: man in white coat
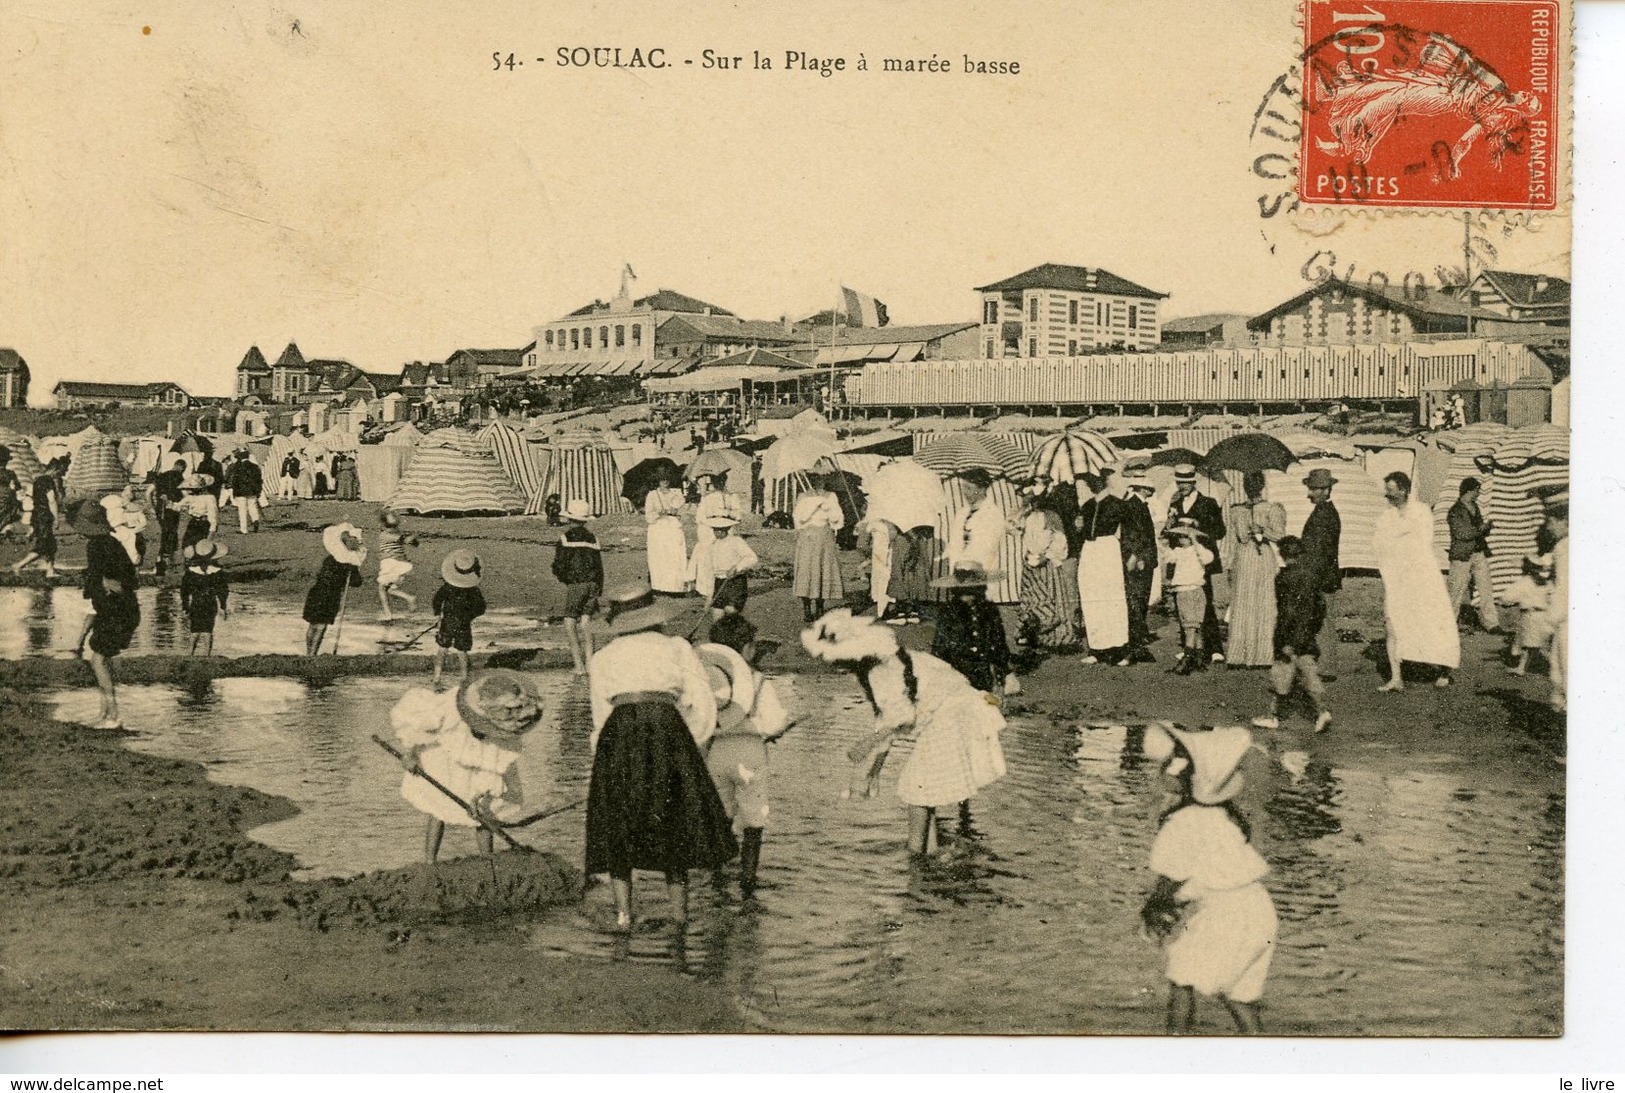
{"points": [[1416, 603]]}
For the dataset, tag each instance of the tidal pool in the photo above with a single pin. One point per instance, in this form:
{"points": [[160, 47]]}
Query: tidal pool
{"points": [[1419, 894]]}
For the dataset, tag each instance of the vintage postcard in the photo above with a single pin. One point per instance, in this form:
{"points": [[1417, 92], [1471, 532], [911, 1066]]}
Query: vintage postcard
{"points": [[861, 518]]}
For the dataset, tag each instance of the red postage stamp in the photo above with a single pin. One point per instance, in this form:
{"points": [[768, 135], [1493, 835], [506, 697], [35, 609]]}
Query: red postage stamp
{"points": [[1430, 103]]}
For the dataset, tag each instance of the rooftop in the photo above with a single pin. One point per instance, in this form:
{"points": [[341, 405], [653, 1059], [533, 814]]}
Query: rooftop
{"points": [[661, 300], [1073, 279]]}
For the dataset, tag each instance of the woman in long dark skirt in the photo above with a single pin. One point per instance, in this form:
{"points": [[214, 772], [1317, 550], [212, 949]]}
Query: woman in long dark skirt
{"points": [[651, 804], [110, 582], [341, 569]]}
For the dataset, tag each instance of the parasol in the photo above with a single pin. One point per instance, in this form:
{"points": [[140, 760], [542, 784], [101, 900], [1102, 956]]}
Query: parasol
{"points": [[1071, 455], [906, 495], [642, 478], [1173, 457], [958, 453], [796, 452], [191, 442], [719, 461], [1247, 452]]}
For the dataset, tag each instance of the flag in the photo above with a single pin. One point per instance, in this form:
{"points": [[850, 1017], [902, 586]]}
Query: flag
{"points": [[861, 310], [629, 273]]}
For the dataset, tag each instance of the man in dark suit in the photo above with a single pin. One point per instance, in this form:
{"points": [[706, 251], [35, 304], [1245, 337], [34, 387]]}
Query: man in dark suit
{"points": [[1470, 555], [1189, 503], [1139, 542], [1320, 538]]}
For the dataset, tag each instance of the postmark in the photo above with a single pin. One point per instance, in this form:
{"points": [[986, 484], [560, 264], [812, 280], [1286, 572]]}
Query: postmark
{"points": [[1429, 104]]}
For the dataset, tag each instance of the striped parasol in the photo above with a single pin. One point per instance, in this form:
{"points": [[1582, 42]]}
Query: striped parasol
{"points": [[1071, 455], [958, 453]]}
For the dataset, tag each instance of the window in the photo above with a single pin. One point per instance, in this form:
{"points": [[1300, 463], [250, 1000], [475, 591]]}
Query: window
{"points": [[1072, 344], [1072, 312], [990, 312], [603, 336], [575, 339], [1032, 309], [1133, 317], [990, 348], [637, 334], [1100, 313], [1032, 347], [548, 340], [586, 338], [620, 336]]}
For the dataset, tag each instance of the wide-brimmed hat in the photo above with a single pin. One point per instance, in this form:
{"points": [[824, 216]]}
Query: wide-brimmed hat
{"points": [[476, 715], [1215, 756], [337, 539], [967, 575], [1319, 479], [722, 520], [577, 511], [91, 519], [1136, 478], [461, 569], [121, 512], [1184, 473], [731, 682], [632, 608], [207, 550]]}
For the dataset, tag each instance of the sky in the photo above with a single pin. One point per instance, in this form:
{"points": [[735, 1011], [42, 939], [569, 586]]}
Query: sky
{"points": [[179, 182]]}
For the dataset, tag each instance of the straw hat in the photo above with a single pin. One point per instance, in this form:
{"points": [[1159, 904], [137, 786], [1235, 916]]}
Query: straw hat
{"points": [[343, 542], [967, 575], [1184, 473], [207, 550], [1188, 527], [1215, 757], [632, 608], [730, 676], [501, 691], [1319, 479], [1135, 478], [721, 521], [577, 511], [461, 569]]}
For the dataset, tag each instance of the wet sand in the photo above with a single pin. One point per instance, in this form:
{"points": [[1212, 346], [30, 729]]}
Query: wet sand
{"points": [[136, 901]]}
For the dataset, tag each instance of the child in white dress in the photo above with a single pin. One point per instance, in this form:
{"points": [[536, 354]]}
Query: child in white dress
{"points": [[1532, 593], [1209, 909], [467, 739]]}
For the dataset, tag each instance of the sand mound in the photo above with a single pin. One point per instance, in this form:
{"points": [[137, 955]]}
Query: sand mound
{"points": [[471, 889]]}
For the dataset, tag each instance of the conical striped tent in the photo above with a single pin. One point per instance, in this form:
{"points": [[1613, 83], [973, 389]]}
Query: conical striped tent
{"points": [[406, 436], [24, 463], [96, 470], [461, 439], [582, 472], [444, 480], [513, 453], [1523, 460]]}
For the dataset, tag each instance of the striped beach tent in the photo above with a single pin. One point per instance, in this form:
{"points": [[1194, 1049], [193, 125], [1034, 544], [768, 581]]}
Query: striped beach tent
{"points": [[450, 436], [407, 436], [24, 463], [512, 451], [445, 480], [582, 472], [96, 470], [1504, 499], [379, 468], [1357, 495]]}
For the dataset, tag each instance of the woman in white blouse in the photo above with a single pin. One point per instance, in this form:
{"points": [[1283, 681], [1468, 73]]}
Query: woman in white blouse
{"points": [[651, 803], [667, 547], [817, 518], [714, 502]]}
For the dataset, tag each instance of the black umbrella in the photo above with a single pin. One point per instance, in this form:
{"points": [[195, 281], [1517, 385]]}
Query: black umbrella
{"points": [[640, 480], [1248, 452], [1173, 457]]}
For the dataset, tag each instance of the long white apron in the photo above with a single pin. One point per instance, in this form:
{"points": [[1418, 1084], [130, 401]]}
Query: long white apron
{"points": [[1100, 591]]}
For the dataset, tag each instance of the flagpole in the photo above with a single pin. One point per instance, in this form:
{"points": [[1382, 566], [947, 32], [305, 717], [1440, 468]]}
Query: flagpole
{"points": [[840, 302]]}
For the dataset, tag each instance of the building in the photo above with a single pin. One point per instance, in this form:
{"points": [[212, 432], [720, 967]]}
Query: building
{"points": [[1196, 331], [1061, 311], [1350, 313], [254, 377], [856, 346], [1522, 297], [81, 394], [696, 339], [614, 338], [480, 368], [13, 379]]}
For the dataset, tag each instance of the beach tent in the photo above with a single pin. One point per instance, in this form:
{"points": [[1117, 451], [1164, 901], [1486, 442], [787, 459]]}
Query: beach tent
{"points": [[24, 463], [407, 436], [338, 440], [1521, 460], [443, 479], [73, 441], [582, 471], [1357, 495], [513, 452], [379, 468], [449, 436], [1007, 589], [96, 469]]}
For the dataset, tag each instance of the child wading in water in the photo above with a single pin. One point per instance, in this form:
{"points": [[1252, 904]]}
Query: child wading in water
{"points": [[1209, 909], [392, 563], [1188, 559], [579, 566], [458, 602], [749, 717], [203, 592], [341, 570], [1300, 610], [469, 741]]}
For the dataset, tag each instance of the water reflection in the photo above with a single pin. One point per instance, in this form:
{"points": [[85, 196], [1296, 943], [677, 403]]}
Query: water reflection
{"points": [[1418, 895]]}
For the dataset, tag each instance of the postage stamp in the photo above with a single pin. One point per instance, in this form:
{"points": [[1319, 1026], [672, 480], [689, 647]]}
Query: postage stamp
{"points": [[1430, 103]]}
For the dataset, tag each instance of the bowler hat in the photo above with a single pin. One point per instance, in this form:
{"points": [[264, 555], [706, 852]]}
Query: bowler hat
{"points": [[1319, 479]]}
